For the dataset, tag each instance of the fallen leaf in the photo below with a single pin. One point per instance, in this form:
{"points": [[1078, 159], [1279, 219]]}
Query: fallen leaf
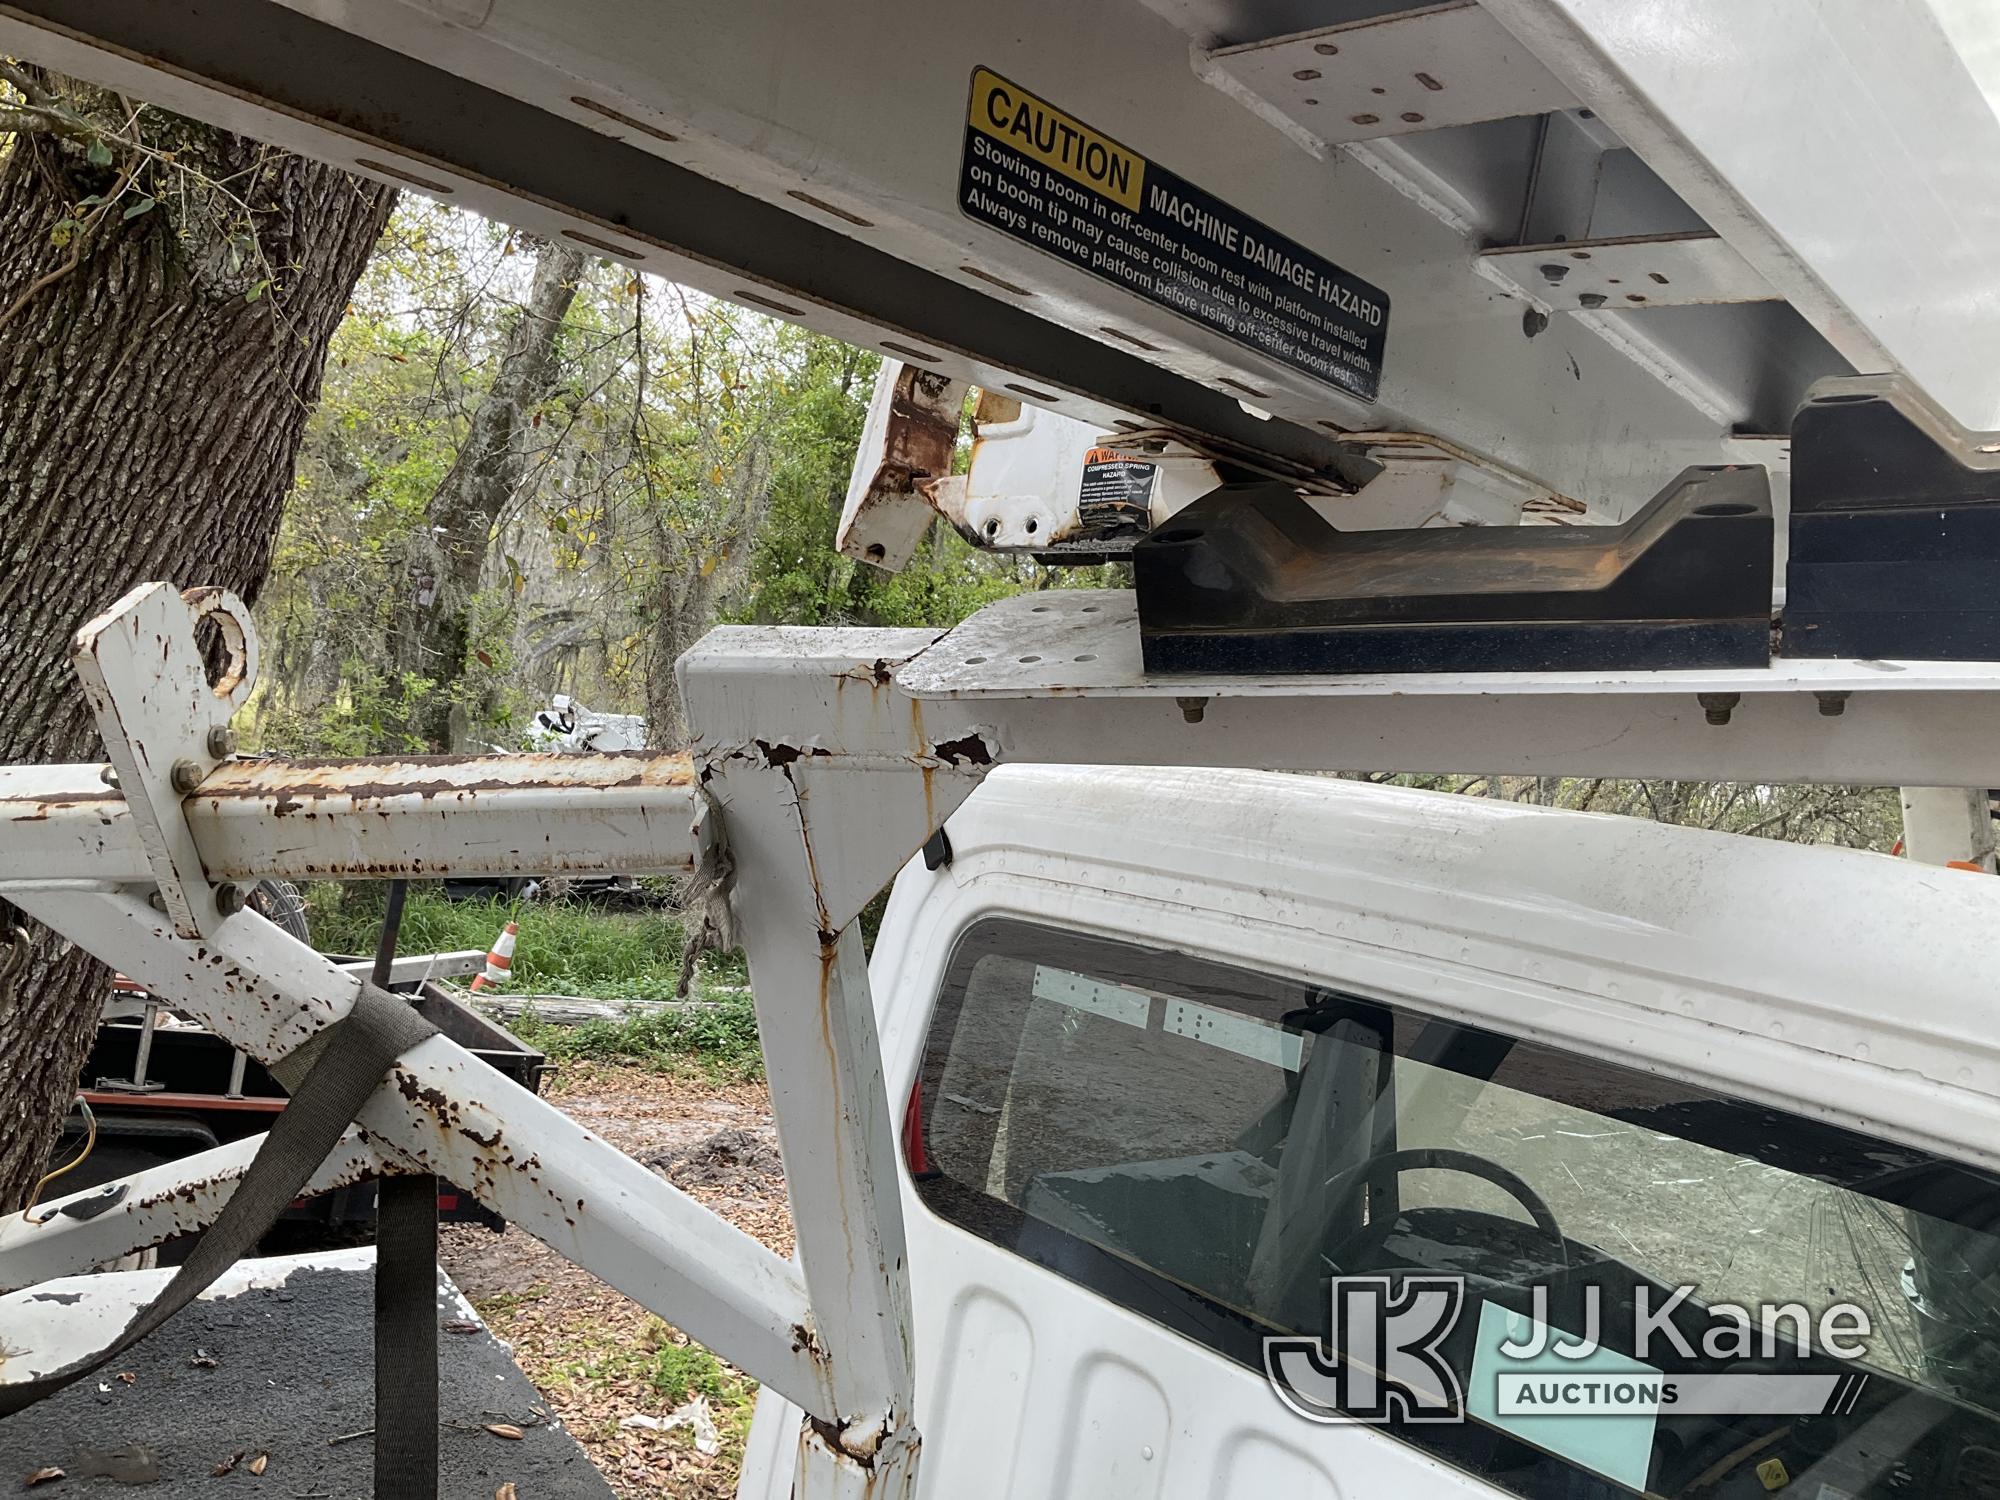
{"points": [[260, 1463], [227, 1464], [485, 659], [127, 1377], [43, 1476], [461, 1325], [505, 1430], [201, 1359], [505, 1492]]}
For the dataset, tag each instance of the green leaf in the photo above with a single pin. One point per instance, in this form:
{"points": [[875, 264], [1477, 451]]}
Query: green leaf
{"points": [[99, 154], [257, 289], [133, 211], [63, 232]]}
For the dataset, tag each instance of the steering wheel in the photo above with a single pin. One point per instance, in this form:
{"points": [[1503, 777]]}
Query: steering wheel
{"points": [[1445, 1159]]}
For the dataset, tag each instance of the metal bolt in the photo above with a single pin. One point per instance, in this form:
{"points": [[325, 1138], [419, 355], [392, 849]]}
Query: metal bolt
{"points": [[229, 898], [221, 741], [109, 776], [1832, 705], [157, 900], [1192, 709], [1719, 706], [185, 776]]}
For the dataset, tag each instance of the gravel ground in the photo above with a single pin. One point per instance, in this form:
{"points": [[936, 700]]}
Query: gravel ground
{"points": [[597, 1356]]}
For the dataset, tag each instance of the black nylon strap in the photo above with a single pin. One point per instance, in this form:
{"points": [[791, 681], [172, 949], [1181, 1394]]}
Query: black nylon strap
{"points": [[406, 1338], [358, 1053], [406, 1325]]}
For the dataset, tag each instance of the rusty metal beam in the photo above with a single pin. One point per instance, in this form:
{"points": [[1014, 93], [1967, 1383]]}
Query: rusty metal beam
{"points": [[447, 1112], [604, 814], [174, 1198]]}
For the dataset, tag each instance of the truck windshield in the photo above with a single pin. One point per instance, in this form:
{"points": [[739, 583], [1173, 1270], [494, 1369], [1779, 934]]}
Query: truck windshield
{"points": [[1210, 1147]]}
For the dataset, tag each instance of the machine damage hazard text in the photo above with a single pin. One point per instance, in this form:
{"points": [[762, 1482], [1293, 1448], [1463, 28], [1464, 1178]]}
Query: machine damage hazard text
{"points": [[1045, 178]]}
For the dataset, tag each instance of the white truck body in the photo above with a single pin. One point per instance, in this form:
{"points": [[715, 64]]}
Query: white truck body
{"points": [[1838, 985]]}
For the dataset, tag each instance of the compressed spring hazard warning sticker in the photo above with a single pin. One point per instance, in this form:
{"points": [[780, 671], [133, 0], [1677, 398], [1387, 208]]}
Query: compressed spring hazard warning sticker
{"points": [[1116, 492], [1043, 177]]}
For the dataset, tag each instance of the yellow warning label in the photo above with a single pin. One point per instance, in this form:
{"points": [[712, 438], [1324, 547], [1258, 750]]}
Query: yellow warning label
{"points": [[1039, 130], [1773, 1473]]}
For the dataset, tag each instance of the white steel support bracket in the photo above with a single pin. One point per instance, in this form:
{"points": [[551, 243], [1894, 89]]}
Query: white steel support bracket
{"points": [[98, 1225], [442, 1110], [164, 725], [829, 779], [826, 1471]]}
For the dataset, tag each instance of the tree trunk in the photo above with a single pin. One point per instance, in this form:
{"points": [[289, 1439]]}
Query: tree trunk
{"points": [[448, 553], [152, 401], [679, 614]]}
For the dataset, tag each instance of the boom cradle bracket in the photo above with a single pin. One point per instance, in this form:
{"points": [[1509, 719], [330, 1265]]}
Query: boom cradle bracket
{"points": [[1251, 579]]}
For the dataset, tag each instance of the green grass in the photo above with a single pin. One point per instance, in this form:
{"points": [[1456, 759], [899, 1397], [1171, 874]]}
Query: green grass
{"points": [[572, 949], [673, 1368], [501, 1305], [564, 948], [681, 1370], [595, 1357], [719, 1038]]}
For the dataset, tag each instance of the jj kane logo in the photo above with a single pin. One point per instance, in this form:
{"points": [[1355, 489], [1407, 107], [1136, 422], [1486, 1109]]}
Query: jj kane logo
{"points": [[1382, 1358]]}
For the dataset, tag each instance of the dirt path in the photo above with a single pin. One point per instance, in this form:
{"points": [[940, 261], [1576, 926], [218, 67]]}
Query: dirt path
{"points": [[595, 1354]]}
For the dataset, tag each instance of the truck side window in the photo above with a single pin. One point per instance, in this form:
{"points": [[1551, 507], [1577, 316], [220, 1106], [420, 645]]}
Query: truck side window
{"points": [[1208, 1146]]}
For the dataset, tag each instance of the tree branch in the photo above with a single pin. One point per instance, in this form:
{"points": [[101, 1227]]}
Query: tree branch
{"points": [[49, 279], [19, 119], [77, 238], [32, 91]]}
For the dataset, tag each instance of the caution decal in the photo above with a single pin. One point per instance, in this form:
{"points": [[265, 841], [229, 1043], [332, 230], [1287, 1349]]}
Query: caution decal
{"points": [[1040, 175], [1042, 133]]}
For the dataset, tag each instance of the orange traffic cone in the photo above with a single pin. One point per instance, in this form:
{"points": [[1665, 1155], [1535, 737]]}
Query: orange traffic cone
{"points": [[499, 960]]}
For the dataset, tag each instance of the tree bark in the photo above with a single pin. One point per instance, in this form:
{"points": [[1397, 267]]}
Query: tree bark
{"points": [[152, 399], [448, 553]]}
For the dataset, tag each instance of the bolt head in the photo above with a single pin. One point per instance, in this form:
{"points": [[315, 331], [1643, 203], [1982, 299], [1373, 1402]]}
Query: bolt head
{"points": [[185, 776], [109, 776], [221, 741], [229, 898]]}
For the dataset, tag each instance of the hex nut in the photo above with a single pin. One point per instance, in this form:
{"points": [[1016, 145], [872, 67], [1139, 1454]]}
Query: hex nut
{"points": [[186, 776], [221, 741], [229, 898], [1718, 706]]}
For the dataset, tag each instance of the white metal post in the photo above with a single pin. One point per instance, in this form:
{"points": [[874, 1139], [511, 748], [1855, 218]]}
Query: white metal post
{"points": [[1947, 824], [828, 780]]}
